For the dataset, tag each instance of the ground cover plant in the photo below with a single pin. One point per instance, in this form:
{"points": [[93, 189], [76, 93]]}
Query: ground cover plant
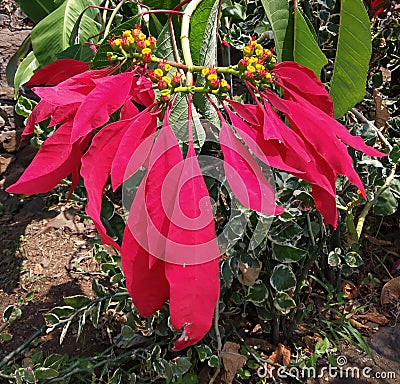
{"points": [[124, 102]]}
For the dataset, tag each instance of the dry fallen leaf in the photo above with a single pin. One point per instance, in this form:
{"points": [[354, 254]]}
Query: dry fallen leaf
{"points": [[391, 292], [382, 115], [248, 275], [349, 289], [280, 356], [232, 360], [375, 317]]}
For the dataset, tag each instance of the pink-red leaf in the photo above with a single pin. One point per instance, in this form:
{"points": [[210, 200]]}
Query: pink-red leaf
{"points": [[134, 147], [244, 175], [56, 159], [58, 71], [194, 292], [304, 82], [142, 91], [108, 95], [96, 167], [148, 287], [42, 111]]}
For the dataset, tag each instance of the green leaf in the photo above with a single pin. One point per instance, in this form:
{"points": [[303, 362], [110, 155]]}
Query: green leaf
{"points": [[353, 259], [198, 27], [284, 303], [77, 301], [37, 10], [52, 35], [352, 57], [305, 47], [213, 362], [204, 352], [282, 278], [280, 18], [257, 293], [100, 60], [43, 373], [164, 47], [287, 253], [334, 259], [179, 122], [15, 59], [6, 336], [386, 204], [25, 71], [29, 375]]}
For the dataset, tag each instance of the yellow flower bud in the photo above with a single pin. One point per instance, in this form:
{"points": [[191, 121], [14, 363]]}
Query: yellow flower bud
{"points": [[251, 69], [212, 77], [158, 72], [127, 33], [165, 92], [167, 68], [146, 51], [142, 36], [205, 71], [167, 79]]}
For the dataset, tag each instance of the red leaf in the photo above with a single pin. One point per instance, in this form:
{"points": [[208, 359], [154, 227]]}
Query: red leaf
{"points": [[148, 287], [165, 167], [109, 94], [322, 132], [58, 71], [56, 159], [99, 157], [142, 91], [304, 82], [191, 233], [128, 110], [244, 175], [134, 147], [194, 292], [62, 114], [42, 111], [271, 152], [60, 95]]}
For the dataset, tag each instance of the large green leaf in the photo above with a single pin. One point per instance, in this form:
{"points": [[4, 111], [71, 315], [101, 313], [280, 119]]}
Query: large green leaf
{"points": [[52, 35], [37, 10], [208, 57], [281, 20], [198, 27], [179, 122], [352, 57], [164, 47], [305, 47], [25, 71], [13, 63]]}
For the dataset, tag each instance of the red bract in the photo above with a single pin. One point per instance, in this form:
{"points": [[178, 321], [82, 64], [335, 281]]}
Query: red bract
{"points": [[58, 71]]}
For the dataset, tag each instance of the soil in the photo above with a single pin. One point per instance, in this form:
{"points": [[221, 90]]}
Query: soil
{"points": [[46, 255]]}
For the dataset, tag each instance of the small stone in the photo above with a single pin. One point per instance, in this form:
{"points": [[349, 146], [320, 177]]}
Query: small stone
{"points": [[5, 160]]}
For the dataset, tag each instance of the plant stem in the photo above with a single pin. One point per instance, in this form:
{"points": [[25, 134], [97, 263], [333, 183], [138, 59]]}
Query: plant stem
{"points": [[219, 343], [362, 118], [185, 38], [114, 13]]}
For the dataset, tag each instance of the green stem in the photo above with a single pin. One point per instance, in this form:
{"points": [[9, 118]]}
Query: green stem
{"points": [[185, 43], [112, 17]]}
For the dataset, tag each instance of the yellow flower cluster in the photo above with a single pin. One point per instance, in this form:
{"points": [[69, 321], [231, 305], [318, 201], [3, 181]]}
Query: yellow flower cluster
{"points": [[214, 82], [132, 41], [165, 80], [256, 64]]}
